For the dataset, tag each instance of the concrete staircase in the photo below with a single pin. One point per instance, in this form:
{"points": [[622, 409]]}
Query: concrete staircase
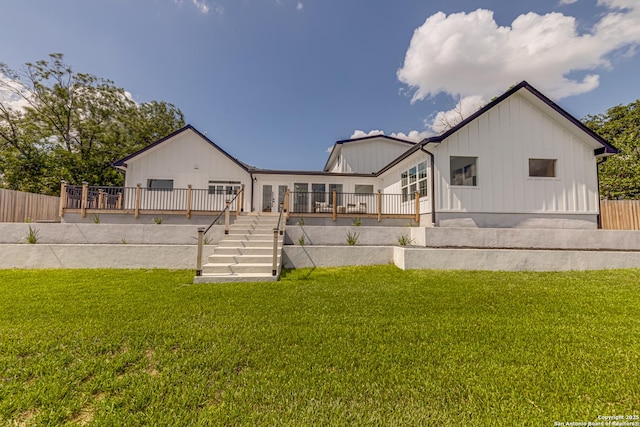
{"points": [[246, 253]]}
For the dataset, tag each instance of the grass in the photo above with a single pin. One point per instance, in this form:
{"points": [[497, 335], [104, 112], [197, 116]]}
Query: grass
{"points": [[350, 346]]}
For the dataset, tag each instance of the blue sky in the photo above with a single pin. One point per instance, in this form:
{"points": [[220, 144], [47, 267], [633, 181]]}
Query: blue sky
{"points": [[277, 82]]}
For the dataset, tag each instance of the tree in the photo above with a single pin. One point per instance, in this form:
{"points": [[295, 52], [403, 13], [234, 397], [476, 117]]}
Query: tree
{"points": [[71, 126], [619, 174]]}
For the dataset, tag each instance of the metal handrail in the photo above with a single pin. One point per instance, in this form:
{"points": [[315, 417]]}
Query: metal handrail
{"points": [[203, 231], [223, 211]]}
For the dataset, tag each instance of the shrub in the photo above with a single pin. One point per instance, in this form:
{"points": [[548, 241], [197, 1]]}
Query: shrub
{"points": [[33, 235], [352, 238]]}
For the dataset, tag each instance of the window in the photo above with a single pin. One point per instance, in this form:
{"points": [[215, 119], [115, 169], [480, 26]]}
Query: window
{"points": [[318, 193], [224, 187], [464, 171], [412, 180], [338, 190], [160, 184], [364, 188], [545, 168]]}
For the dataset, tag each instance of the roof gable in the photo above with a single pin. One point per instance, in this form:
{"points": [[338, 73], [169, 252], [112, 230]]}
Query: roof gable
{"points": [[605, 148], [122, 163], [337, 147]]}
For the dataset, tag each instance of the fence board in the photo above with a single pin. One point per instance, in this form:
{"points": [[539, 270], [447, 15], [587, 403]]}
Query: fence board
{"points": [[17, 206], [620, 214]]}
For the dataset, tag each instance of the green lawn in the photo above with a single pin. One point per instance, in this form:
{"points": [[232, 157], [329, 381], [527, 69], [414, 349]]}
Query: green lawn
{"points": [[350, 346]]}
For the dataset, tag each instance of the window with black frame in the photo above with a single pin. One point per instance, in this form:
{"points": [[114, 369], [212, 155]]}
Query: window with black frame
{"points": [[464, 171], [412, 180], [160, 184]]}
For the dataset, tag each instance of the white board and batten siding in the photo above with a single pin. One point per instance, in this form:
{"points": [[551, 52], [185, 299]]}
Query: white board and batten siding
{"points": [[369, 155], [503, 140], [187, 159], [392, 179]]}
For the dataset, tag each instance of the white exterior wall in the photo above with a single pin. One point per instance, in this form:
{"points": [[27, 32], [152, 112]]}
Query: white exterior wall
{"points": [[348, 184], [368, 156], [504, 139], [391, 180], [187, 159]]}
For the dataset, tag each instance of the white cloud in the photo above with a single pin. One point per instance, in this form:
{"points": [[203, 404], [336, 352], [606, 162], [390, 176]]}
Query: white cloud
{"points": [[203, 6], [444, 120], [469, 54], [563, 2], [299, 6], [13, 93], [413, 135], [361, 134]]}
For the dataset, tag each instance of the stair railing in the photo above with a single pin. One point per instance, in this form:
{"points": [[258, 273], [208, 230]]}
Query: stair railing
{"points": [[277, 231], [202, 231]]}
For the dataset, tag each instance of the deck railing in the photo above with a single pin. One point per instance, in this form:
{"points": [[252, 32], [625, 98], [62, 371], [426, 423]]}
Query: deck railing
{"points": [[350, 204], [135, 199]]}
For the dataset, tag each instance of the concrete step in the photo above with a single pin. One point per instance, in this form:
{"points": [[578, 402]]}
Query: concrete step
{"points": [[251, 233], [235, 277], [249, 237], [252, 268], [241, 259], [243, 251], [241, 243], [249, 229]]}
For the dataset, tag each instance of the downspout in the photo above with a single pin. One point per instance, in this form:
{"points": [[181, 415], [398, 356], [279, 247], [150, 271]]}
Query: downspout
{"points": [[598, 163], [433, 185]]}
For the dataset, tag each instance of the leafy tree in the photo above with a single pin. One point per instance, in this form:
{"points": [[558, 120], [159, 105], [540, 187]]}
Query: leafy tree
{"points": [[620, 174], [71, 126]]}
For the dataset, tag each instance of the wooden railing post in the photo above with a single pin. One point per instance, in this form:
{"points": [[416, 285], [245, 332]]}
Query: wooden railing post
{"points": [[417, 196], [274, 269], [63, 198], [119, 202], [379, 205], [242, 199], [238, 202], [100, 199], [83, 202], [226, 217], [138, 201], [287, 196], [188, 201], [334, 214], [200, 243]]}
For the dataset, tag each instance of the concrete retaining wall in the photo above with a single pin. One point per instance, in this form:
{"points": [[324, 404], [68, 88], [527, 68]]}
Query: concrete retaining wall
{"points": [[501, 238], [367, 236], [176, 257], [512, 260], [516, 220], [174, 247], [76, 233], [335, 256]]}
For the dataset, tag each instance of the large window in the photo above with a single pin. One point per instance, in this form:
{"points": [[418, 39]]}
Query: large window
{"points": [[224, 187], [160, 184], [364, 189], [338, 190], [318, 193], [412, 180], [542, 168], [464, 171]]}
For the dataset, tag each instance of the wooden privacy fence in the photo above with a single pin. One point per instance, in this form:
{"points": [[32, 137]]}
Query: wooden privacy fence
{"points": [[620, 214], [16, 206]]}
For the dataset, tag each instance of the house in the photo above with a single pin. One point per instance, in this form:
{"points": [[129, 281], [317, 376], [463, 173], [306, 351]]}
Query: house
{"points": [[521, 161]]}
